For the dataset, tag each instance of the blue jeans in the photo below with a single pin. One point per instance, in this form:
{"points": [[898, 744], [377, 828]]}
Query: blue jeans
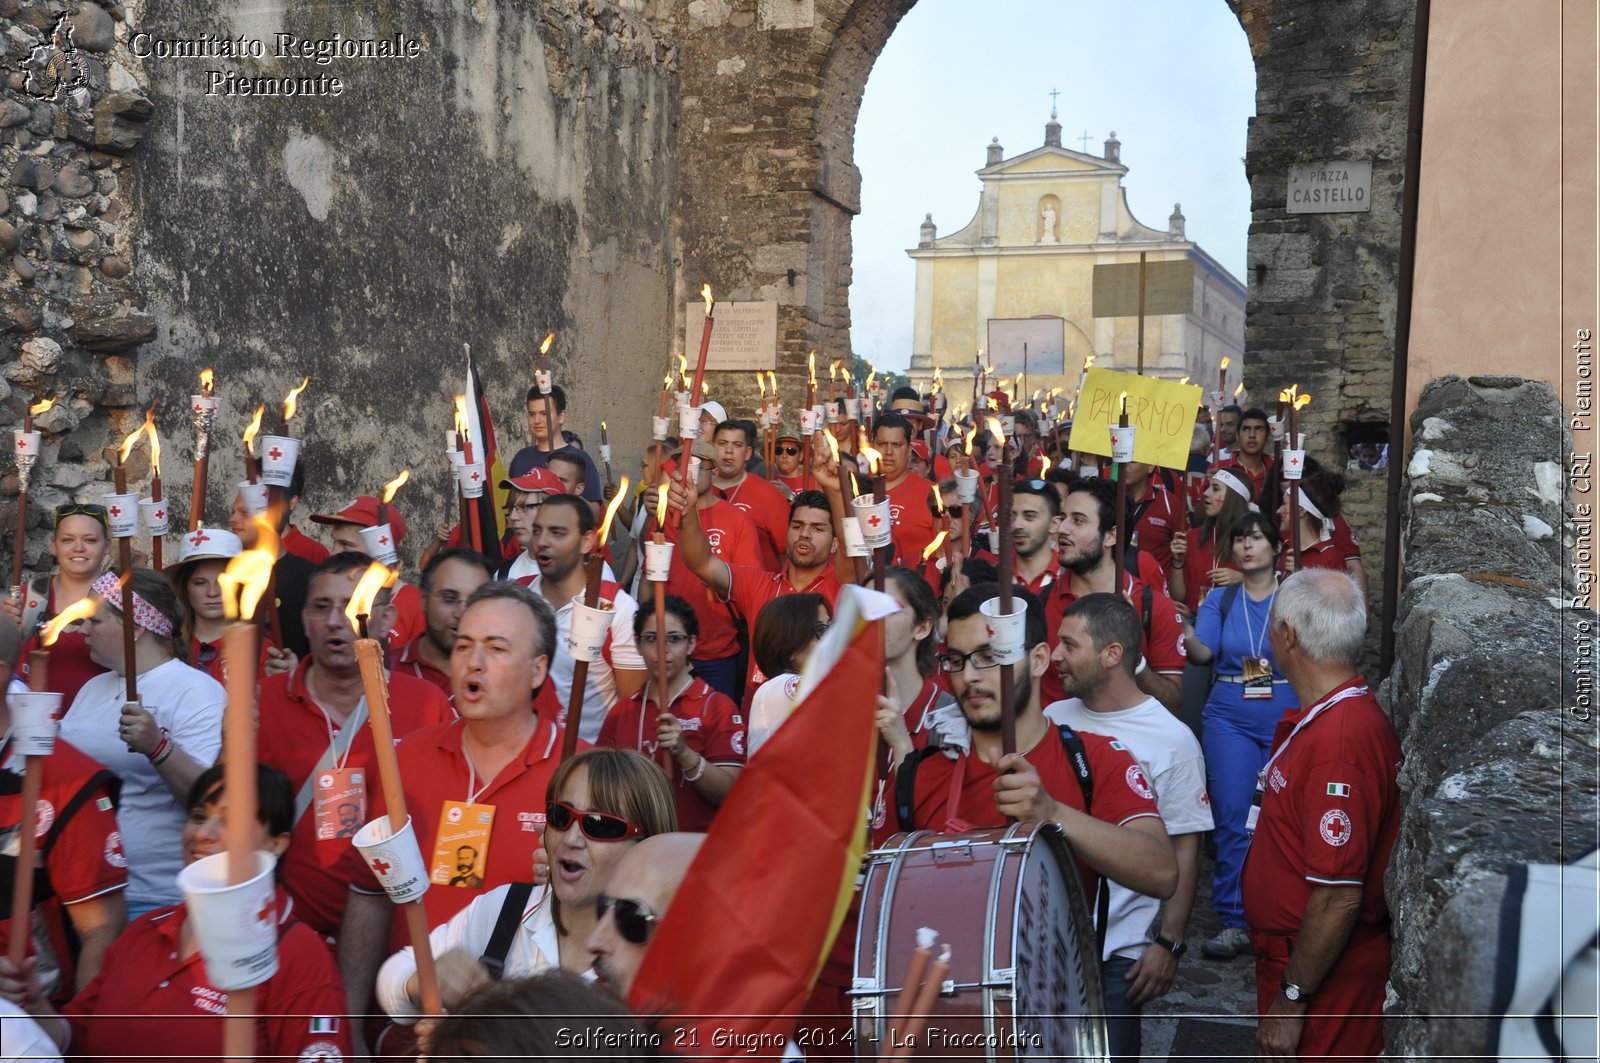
{"points": [[721, 675], [1123, 1040], [1236, 740]]}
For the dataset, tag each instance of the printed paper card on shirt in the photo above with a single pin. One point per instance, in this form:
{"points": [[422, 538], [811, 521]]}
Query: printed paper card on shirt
{"points": [[461, 846], [339, 802], [1162, 411]]}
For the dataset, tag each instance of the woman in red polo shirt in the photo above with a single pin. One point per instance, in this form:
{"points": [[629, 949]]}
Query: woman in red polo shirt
{"points": [[1203, 558], [79, 543], [153, 989], [1319, 510]]}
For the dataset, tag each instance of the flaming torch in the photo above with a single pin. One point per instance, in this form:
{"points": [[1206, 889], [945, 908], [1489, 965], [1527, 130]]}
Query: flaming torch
{"points": [[252, 430], [546, 382], [33, 730], [122, 514], [661, 567], [705, 343], [591, 601], [1008, 710], [156, 511], [879, 493], [27, 447], [203, 413]]}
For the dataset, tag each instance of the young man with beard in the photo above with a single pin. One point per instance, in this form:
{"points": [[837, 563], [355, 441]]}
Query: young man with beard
{"points": [[490, 767], [909, 513], [1252, 453], [563, 534], [1087, 539], [1095, 655], [314, 729], [1155, 514], [448, 581], [760, 500], [1121, 838], [1035, 512], [1227, 432]]}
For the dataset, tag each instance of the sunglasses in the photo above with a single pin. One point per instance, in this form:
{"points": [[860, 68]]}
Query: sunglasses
{"points": [[635, 921], [789, 450], [596, 826], [92, 511]]}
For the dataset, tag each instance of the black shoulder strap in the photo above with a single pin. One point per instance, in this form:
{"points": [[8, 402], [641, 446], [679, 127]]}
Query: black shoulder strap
{"points": [[1146, 606], [505, 929], [1079, 758], [1229, 596], [905, 783]]}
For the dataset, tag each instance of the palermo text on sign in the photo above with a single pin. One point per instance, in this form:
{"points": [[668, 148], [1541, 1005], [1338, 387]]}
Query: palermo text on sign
{"points": [[1161, 410]]}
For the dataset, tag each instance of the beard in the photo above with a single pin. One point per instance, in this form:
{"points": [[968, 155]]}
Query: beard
{"points": [[1021, 693], [1087, 561]]}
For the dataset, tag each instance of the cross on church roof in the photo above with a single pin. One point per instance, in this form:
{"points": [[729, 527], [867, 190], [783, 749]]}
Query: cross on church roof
{"points": [[1053, 94], [1085, 139]]}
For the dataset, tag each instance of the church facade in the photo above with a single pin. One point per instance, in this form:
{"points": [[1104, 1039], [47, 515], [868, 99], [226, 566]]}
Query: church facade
{"points": [[1014, 288]]}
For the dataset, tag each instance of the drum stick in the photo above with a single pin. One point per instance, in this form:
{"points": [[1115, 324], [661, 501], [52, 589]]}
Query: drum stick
{"points": [[917, 1021]]}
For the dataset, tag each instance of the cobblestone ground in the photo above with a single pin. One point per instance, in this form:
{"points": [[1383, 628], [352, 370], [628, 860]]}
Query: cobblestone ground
{"points": [[1211, 1011]]}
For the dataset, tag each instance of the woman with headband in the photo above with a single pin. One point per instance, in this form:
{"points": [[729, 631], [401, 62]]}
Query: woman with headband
{"points": [[1203, 558], [79, 541], [158, 745], [1319, 509]]}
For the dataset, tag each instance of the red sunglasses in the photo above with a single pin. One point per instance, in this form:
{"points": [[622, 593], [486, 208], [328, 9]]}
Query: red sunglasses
{"points": [[596, 826]]}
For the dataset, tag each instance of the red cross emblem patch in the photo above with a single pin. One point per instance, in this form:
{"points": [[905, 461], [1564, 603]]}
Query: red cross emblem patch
{"points": [[1335, 827], [274, 453]]}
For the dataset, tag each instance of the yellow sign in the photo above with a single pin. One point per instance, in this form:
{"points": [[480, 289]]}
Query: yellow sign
{"points": [[1161, 410]]}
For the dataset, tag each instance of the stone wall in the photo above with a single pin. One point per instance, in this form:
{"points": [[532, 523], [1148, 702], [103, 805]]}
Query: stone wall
{"points": [[1498, 736], [512, 179]]}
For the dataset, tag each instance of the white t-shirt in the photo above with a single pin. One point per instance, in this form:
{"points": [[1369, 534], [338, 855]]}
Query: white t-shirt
{"points": [[525, 566], [600, 690], [1172, 761], [23, 1038], [772, 703], [189, 704]]}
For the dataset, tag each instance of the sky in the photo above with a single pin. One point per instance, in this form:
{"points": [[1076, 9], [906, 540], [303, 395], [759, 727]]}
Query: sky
{"points": [[1174, 78]]}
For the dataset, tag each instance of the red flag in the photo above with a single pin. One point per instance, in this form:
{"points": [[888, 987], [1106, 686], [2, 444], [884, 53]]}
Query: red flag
{"points": [[757, 913]]}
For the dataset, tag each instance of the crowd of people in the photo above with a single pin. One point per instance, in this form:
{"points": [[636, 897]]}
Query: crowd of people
{"points": [[550, 875]]}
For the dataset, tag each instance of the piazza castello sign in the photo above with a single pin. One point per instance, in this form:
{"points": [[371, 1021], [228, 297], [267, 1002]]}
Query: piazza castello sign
{"points": [[1330, 188]]}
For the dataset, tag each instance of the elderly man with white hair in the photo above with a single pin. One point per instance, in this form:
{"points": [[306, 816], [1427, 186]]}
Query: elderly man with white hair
{"points": [[1326, 813]]}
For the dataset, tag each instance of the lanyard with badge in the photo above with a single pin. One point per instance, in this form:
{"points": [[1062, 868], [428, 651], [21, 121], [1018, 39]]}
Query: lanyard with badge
{"points": [[1261, 776], [461, 844], [1255, 668], [339, 799]]}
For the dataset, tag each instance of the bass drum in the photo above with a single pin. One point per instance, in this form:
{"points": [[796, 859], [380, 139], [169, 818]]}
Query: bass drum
{"points": [[1024, 977]]}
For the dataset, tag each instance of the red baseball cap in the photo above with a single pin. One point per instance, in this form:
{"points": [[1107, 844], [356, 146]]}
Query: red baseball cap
{"points": [[362, 511], [536, 482], [919, 447]]}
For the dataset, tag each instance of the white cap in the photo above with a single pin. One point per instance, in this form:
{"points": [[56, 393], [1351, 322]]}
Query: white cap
{"points": [[714, 408], [210, 544]]}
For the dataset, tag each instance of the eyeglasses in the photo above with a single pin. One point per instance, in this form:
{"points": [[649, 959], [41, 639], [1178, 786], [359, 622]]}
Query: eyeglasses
{"points": [[635, 921], [93, 511], [675, 638], [596, 826], [791, 451], [982, 658], [819, 630]]}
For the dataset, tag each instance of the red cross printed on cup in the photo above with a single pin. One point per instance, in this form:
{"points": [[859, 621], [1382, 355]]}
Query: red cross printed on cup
{"points": [[874, 521], [266, 912], [197, 538], [274, 453], [379, 866], [383, 540], [477, 476], [116, 511], [22, 444], [161, 514], [988, 630]]}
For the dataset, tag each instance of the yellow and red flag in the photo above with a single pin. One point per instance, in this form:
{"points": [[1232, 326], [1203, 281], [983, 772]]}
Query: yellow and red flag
{"points": [[776, 873]]}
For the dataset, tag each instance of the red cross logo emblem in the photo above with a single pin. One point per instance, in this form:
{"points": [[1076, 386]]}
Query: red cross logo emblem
{"points": [[274, 453], [988, 630], [379, 866], [197, 538], [197, 407], [874, 521], [1335, 827], [160, 514], [22, 444], [116, 847], [1294, 463], [116, 511], [383, 540], [266, 912], [476, 477]]}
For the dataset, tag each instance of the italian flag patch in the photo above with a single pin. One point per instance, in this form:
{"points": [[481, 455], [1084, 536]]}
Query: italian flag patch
{"points": [[324, 1024], [1338, 789]]}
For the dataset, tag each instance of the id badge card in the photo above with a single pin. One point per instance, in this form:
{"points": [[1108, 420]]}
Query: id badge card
{"points": [[1253, 815], [461, 845], [1257, 672], [339, 802]]}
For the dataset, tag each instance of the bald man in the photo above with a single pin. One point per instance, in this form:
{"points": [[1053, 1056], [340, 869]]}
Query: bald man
{"points": [[643, 885]]}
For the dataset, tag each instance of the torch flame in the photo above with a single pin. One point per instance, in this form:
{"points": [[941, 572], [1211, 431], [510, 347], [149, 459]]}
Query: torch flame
{"points": [[1303, 400], [871, 379], [81, 609], [833, 444], [1225, 361], [661, 505], [206, 380], [833, 370], [253, 429], [461, 415], [1286, 395], [938, 501], [373, 580], [1122, 402], [394, 485], [874, 459], [934, 544], [245, 579], [996, 429], [666, 382], [1183, 380], [705, 293], [811, 366], [39, 407], [772, 381], [155, 441], [291, 401], [127, 444], [611, 511], [1088, 363], [761, 383], [705, 388], [544, 348], [971, 434], [1238, 390]]}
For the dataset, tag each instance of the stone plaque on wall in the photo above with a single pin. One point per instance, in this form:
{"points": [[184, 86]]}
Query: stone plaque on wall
{"points": [[1330, 188], [745, 335]]}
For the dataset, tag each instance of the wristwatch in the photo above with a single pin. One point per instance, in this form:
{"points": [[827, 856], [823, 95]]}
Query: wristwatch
{"points": [[1293, 993], [1177, 948]]}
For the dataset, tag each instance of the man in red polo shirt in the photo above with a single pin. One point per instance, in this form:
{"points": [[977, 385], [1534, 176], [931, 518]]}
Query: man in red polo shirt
{"points": [[735, 540], [763, 502], [313, 729], [1328, 811], [701, 735], [1252, 454], [1155, 515], [1087, 538], [447, 582], [968, 782], [1035, 512], [490, 768], [908, 493], [344, 530]]}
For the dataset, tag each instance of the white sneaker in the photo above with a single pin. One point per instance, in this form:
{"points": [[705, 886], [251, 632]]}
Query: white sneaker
{"points": [[1228, 944]]}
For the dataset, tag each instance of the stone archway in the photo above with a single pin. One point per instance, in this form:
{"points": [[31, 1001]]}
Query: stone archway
{"points": [[767, 186]]}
